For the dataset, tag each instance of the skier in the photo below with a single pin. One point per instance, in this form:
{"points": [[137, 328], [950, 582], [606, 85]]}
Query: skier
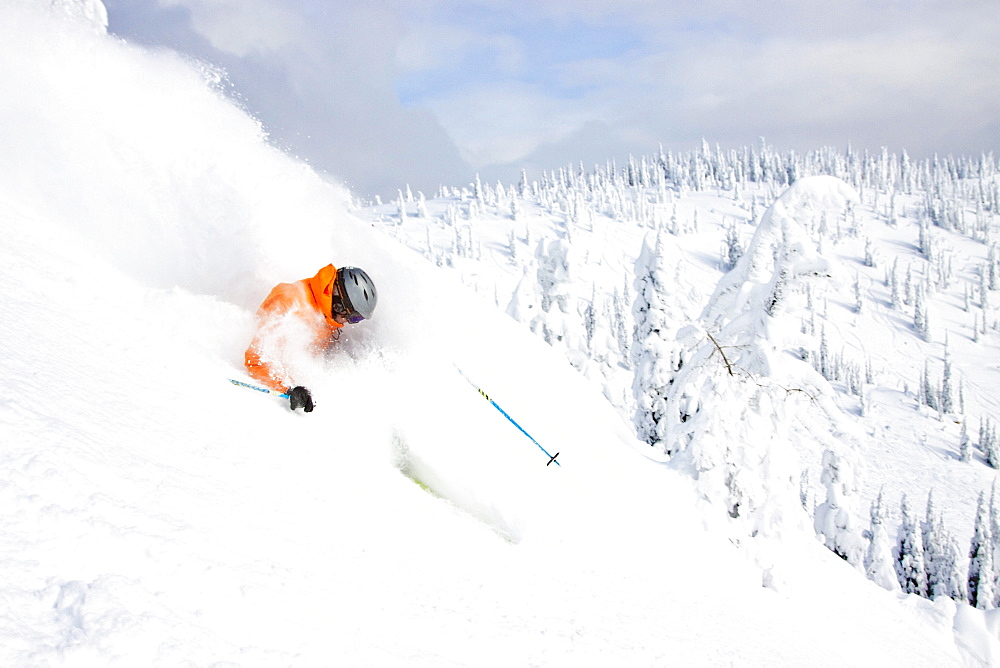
{"points": [[311, 310]]}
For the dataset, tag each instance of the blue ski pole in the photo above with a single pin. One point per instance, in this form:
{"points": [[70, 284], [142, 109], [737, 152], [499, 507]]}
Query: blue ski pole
{"points": [[265, 390], [552, 458]]}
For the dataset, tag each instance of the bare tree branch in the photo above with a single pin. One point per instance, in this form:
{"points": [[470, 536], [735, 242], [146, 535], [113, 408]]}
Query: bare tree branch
{"points": [[725, 359]]}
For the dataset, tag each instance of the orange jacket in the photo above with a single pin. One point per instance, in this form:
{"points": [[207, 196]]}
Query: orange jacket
{"points": [[291, 310]]}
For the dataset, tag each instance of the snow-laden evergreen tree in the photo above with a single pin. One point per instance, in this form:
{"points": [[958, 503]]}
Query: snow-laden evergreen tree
{"points": [[988, 443], [478, 191], [656, 354], [964, 442], [894, 295], [825, 364], [925, 241], [805, 493], [921, 319], [513, 244], [590, 320], [992, 276], [834, 517], [908, 286], [858, 302], [623, 324], [982, 586], [880, 565], [946, 396], [910, 567], [994, 513], [733, 249], [730, 417], [940, 559], [524, 302], [401, 207], [556, 292], [958, 581], [984, 293], [993, 449], [928, 391]]}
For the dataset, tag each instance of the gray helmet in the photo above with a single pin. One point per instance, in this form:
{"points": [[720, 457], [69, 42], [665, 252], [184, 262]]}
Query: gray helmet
{"points": [[357, 295]]}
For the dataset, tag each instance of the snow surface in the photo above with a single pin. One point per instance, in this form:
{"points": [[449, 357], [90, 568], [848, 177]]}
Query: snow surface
{"points": [[153, 514], [898, 445]]}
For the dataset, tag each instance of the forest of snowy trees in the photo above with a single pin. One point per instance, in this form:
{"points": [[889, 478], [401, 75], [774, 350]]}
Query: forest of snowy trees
{"points": [[615, 266]]}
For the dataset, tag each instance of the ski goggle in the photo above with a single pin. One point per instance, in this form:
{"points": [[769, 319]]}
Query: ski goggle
{"points": [[339, 308]]}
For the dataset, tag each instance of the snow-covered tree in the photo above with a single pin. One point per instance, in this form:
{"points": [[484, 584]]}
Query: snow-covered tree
{"points": [[910, 566], [401, 207], [514, 246], [834, 517], [733, 248], [858, 301], [988, 442], [730, 416], [964, 442], [556, 291], [992, 275], [940, 558], [947, 396], [869, 253], [981, 577], [895, 298], [622, 326], [928, 391], [656, 354], [921, 318], [825, 363], [908, 286], [590, 320], [994, 521], [524, 302], [879, 561]]}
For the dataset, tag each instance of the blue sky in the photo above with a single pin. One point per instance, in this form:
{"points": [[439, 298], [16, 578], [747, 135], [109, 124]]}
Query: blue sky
{"points": [[429, 92]]}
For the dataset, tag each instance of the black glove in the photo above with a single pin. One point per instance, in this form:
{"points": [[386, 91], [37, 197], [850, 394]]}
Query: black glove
{"points": [[299, 397]]}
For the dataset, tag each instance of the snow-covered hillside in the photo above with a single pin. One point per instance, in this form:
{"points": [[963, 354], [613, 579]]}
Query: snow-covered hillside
{"points": [[151, 513], [857, 292]]}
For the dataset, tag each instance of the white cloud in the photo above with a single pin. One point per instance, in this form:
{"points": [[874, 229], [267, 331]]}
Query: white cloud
{"points": [[241, 27], [505, 122], [393, 91], [426, 47], [916, 75]]}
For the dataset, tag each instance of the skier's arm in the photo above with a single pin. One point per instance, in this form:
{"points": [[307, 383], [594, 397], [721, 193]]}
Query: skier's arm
{"points": [[261, 371], [270, 372], [279, 301]]}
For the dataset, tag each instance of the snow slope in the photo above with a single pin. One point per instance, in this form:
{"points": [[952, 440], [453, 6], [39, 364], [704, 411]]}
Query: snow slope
{"points": [[153, 514], [604, 225]]}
